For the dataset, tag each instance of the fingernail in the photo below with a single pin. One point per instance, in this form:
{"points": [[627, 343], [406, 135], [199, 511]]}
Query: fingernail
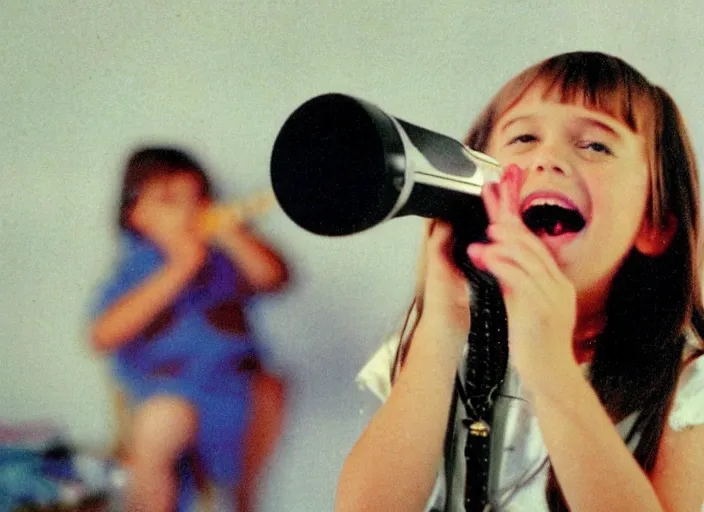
{"points": [[474, 249], [506, 174], [512, 172]]}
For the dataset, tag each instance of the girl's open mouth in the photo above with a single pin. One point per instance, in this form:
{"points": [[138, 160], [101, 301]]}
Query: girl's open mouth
{"points": [[552, 216]]}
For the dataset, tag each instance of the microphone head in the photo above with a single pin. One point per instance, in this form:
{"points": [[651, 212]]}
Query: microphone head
{"points": [[338, 165]]}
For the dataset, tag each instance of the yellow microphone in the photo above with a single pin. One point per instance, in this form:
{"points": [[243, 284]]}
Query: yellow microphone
{"points": [[215, 216]]}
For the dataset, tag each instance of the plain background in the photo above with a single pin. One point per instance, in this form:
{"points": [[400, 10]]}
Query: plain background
{"points": [[83, 82]]}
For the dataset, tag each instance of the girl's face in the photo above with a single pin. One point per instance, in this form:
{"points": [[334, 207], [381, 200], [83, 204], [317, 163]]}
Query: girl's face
{"points": [[170, 202], [585, 189]]}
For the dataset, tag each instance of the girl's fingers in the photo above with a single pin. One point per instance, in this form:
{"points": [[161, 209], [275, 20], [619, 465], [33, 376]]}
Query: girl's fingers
{"points": [[429, 226], [513, 283], [440, 236], [492, 201], [446, 290], [511, 193], [526, 245], [439, 249], [502, 202], [526, 271], [502, 199], [514, 179], [513, 242]]}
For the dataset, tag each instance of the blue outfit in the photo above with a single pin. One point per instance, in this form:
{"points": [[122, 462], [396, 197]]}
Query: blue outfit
{"points": [[189, 352]]}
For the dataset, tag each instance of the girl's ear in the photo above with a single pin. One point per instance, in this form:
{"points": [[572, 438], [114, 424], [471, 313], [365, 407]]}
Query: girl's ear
{"points": [[654, 240]]}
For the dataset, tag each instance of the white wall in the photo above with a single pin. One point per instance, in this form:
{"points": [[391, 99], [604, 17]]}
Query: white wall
{"points": [[83, 81]]}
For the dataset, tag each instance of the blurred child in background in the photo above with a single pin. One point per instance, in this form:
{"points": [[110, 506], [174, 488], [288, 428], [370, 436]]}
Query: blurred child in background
{"points": [[172, 319]]}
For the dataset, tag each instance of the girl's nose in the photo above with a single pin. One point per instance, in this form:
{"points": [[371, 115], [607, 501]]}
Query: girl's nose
{"points": [[550, 159], [550, 167]]}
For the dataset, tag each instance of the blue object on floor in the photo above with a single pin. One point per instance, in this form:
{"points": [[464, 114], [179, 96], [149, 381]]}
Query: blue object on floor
{"points": [[22, 479]]}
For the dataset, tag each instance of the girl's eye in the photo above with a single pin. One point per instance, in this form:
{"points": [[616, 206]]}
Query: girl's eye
{"points": [[523, 138], [597, 147]]}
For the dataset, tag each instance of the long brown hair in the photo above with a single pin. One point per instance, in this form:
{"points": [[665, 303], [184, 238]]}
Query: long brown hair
{"points": [[638, 356]]}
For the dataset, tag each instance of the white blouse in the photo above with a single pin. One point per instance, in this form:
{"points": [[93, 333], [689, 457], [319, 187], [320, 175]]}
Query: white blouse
{"points": [[519, 475]]}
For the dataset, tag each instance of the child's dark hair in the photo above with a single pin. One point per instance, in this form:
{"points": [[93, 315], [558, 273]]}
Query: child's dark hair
{"points": [[653, 301], [155, 161]]}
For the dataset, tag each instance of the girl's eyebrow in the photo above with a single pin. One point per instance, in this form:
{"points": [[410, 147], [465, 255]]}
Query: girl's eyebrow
{"points": [[590, 121], [506, 125], [584, 120]]}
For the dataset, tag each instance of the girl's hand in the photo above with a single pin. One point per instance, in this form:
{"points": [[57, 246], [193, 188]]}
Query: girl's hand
{"points": [[221, 223], [446, 290], [540, 301]]}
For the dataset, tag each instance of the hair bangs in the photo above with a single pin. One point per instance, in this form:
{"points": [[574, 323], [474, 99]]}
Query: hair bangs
{"points": [[601, 84]]}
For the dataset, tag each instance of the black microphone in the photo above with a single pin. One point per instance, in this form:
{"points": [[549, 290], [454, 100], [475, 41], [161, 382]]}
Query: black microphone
{"points": [[341, 165]]}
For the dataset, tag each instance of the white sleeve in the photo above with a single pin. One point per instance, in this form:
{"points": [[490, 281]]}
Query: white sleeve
{"points": [[378, 373], [688, 406], [375, 375]]}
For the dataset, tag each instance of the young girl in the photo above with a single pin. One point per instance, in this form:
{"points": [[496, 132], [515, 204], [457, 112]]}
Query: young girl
{"points": [[603, 403], [172, 319]]}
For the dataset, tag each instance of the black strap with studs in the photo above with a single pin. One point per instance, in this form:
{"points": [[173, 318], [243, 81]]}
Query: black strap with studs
{"points": [[487, 360]]}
